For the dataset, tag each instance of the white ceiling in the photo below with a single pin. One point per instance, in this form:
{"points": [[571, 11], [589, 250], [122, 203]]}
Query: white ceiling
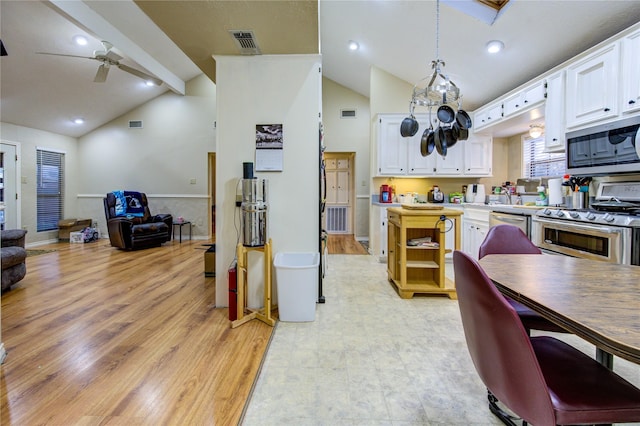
{"points": [[47, 92]]}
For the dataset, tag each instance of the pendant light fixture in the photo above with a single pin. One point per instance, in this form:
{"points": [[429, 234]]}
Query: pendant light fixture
{"points": [[438, 91]]}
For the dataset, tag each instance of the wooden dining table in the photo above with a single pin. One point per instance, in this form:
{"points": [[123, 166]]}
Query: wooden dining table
{"points": [[597, 301]]}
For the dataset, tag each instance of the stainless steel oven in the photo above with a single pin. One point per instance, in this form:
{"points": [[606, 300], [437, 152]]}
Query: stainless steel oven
{"points": [[609, 231], [590, 241]]}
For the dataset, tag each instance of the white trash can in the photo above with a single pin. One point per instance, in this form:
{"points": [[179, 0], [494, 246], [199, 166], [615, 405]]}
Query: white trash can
{"points": [[297, 285]]}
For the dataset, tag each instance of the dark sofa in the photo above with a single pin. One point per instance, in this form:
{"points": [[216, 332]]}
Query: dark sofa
{"points": [[13, 254]]}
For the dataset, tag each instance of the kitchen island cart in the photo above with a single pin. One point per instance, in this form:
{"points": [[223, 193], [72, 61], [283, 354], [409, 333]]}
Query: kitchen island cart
{"points": [[416, 249]]}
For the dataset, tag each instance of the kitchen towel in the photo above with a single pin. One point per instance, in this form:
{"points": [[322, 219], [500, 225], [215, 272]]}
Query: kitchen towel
{"points": [[555, 192]]}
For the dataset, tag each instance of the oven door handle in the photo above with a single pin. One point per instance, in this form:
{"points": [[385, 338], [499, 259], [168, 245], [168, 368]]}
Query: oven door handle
{"points": [[605, 229]]}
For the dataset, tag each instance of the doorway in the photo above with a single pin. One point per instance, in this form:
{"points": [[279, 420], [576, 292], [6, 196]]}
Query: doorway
{"points": [[340, 199], [339, 216], [9, 188]]}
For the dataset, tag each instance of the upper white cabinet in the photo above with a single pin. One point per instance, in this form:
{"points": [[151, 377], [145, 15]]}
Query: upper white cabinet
{"points": [[592, 87], [399, 156], [478, 155], [631, 73], [524, 99], [554, 128], [392, 147], [487, 116]]}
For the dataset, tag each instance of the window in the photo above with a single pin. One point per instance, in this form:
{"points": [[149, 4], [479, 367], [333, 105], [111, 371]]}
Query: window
{"points": [[538, 163], [50, 188]]}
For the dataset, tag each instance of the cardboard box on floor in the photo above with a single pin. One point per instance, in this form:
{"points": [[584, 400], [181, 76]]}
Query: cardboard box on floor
{"points": [[67, 226]]}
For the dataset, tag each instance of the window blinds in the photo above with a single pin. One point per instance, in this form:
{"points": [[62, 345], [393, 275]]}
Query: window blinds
{"points": [[537, 163], [50, 189]]}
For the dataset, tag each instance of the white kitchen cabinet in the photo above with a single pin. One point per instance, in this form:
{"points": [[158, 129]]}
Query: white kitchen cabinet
{"points": [[554, 126], [631, 73], [392, 147], [399, 156], [450, 236], [523, 99], [378, 232], [416, 163], [592, 87], [453, 163], [487, 116], [474, 230], [478, 155]]}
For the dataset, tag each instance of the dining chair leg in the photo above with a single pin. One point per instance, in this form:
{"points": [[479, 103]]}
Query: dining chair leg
{"points": [[504, 417]]}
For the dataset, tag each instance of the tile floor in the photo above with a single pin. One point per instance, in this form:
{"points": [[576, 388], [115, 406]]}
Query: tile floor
{"points": [[372, 358]]}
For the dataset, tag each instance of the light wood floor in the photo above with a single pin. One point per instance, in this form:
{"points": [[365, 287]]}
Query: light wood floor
{"points": [[344, 244], [96, 335]]}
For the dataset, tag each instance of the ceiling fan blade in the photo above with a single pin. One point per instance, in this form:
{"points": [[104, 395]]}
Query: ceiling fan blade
{"points": [[140, 74], [101, 75], [63, 54]]}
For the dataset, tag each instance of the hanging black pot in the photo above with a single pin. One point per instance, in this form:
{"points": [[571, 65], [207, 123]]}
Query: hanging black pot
{"points": [[409, 127], [450, 137]]}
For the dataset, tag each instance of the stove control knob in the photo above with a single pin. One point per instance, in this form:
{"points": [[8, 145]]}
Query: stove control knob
{"points": [[574, 214], [591, 216], [608, 217], [560, 213], [546, 212]]}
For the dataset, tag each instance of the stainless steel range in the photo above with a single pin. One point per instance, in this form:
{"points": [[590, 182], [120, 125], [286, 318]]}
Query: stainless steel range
{"points": [[609, 231]]}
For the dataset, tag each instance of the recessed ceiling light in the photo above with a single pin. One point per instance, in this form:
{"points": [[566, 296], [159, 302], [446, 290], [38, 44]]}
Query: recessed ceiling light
{"points": [[80, 40], [150, 83], [495, 46], [353, 45], [79, 120]]}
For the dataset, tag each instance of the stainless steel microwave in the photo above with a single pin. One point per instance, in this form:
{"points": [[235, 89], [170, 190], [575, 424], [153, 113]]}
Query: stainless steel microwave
{"points": [[605, 149]]}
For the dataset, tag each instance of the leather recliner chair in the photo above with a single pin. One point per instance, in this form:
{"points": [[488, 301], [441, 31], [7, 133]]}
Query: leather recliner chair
{"points": [[130, 232]]}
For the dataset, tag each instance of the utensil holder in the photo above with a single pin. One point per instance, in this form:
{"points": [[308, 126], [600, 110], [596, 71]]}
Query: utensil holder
{"points": [[579, 200]]}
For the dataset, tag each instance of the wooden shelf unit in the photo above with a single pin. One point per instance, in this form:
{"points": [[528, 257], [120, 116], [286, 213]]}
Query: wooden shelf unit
{"points": [[419, 269]]}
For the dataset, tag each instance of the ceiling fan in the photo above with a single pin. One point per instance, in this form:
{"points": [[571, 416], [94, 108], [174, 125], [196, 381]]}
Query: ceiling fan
{"points": [[109, 58]]}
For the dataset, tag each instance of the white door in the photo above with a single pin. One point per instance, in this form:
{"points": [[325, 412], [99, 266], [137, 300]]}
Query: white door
{"points": [[9, 186]]}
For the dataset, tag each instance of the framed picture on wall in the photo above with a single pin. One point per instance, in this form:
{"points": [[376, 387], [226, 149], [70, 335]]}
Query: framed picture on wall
{"points": [[269, 147]]}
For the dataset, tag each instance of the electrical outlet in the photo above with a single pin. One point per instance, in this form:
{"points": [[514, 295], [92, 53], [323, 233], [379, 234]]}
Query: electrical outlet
{"points": [[23, 179], [192, 181]]}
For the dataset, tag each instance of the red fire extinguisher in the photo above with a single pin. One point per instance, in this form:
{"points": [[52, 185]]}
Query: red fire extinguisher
{"points": [[233, 291]]}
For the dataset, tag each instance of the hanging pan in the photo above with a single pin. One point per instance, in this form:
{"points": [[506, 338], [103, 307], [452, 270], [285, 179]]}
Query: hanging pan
{"points": [[450, 137], [446, 114], [427, 143], [441, 142], [462, 118]]}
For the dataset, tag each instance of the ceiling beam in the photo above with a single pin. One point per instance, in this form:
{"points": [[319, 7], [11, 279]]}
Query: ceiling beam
{"points": [[85, 16]]}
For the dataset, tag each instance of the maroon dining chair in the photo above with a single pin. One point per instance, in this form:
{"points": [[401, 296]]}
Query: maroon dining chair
{"points": [[541, 379], [509, 239]]}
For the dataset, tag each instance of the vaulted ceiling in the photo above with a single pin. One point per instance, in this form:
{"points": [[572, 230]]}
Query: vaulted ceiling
{"points": [[176, 40]]}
